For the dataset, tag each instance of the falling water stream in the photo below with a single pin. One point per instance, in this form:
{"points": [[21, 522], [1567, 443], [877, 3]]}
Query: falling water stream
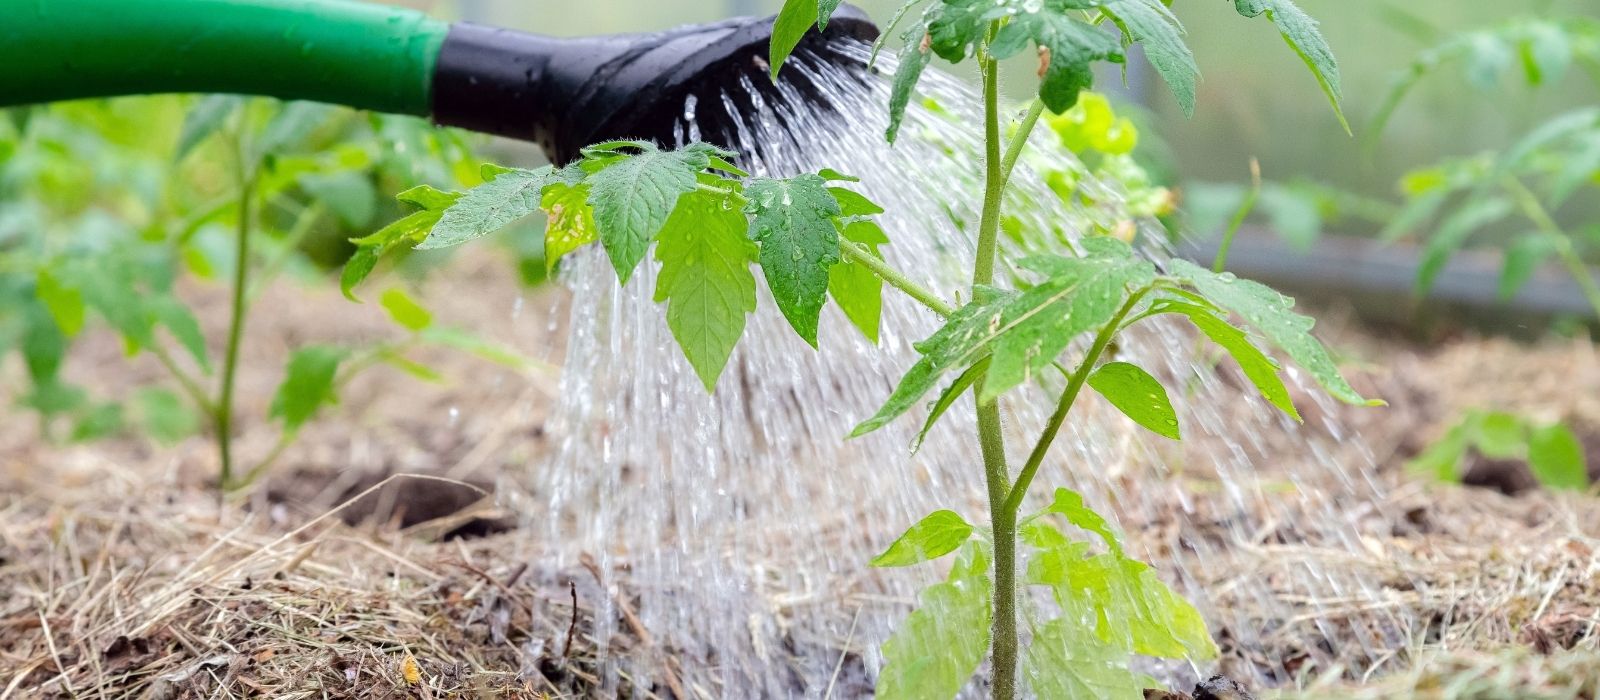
{"points": [[737, 526]]}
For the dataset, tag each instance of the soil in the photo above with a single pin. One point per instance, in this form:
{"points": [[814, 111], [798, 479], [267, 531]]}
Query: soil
{"points": [[372, 563]]}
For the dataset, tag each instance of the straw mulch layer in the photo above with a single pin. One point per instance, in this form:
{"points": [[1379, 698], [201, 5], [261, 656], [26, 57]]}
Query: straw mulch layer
{"points": [[122, 576]]}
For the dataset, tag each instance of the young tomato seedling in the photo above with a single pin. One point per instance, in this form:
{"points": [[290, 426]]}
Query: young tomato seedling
{"points": [[813, 237]]}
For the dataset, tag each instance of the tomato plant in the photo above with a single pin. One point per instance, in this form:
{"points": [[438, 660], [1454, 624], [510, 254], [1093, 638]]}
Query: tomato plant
{"points": [[713, 228], [107, 208]]}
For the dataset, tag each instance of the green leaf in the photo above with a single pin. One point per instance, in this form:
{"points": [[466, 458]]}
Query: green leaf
{"points": [[1153, 25], [291, 126], [825, 10], [359, 267], [429, 198], [164, 415], [308, 385], [959, 343], [349, 195], [1069, 504], [467, 342], [956, 27], [793, 21], [914, 60], [1073, 47], [101, 421], [1442, 460], [938, 647], [1546, 53], [858, 290], [1454, 232], [406, 231], [1417, 211], [1138, 395], [1273, 315], [411, 367], [405, 310], [43, 345], [1522, 259], [948, 398], [1076, 296], [1488, 59], [1066, 662], [793, 222], [634, 196], [1499, 435], [64, 303], [490, 207], [1133, 609], [109, 290], [1300, 31], [1041, 535], [936, 535], [1556, 457], [706, 280], [203, 120], [570, 224], [1261, 370], [183, 325]]}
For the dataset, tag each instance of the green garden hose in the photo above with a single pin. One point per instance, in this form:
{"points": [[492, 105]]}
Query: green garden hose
{"points": [[358, 54], [561, 93]]}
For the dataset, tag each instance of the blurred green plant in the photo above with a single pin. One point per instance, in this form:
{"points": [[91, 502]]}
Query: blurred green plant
{"points": [[1552, 452], [108, 205], [1545, 49], [1523, 188]]}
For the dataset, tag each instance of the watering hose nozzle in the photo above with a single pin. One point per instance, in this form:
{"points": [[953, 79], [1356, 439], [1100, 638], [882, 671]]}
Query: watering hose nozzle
{"points": [[560, 93], [565, 94]]}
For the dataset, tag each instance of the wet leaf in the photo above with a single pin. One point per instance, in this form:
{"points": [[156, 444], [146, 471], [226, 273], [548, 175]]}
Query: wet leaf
{"points": [[1077, 295], [1272, 314], [792, 220], [936, 535], [959, 343], [706, 281], [634, 196], [1153, 25], [570, 223], [1302, 34], [938, 647], [490, 207], [1070, 46], [1261, 370], [1138, 395], [1072, 664], [857, 290]]}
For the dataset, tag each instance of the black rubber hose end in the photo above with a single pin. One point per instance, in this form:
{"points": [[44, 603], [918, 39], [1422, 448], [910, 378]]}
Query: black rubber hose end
{"points": [[564, 94]]}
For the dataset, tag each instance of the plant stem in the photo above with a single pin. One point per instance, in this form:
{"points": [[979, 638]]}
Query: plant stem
{"points": [[190, 386], [1245, 207], [230, 364], [1020, 139], [1541, 217], [991, 438], [1013, 501], [855, 252]]}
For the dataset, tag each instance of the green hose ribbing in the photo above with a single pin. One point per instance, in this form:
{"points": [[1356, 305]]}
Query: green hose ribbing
{"points": [[337, 51]]}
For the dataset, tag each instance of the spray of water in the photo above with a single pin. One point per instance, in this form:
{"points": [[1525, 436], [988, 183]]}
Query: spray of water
{"points": [[736, 527]]}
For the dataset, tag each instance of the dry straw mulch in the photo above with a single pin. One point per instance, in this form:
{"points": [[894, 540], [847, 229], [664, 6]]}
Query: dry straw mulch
{"points": [[121, 575]]}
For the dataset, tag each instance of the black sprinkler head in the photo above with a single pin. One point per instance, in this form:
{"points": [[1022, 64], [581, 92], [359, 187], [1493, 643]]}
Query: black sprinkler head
{"points": [[565, 94]]}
